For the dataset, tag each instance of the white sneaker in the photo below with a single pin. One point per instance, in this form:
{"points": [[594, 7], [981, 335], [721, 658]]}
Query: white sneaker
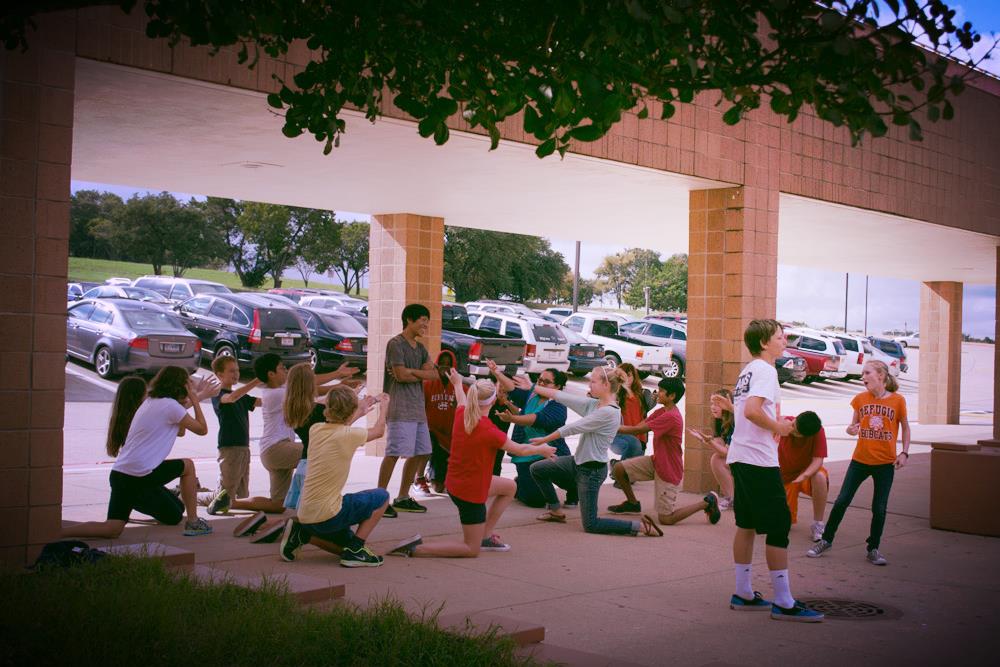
{"points": [[817, 530], [725, 503], [818, 548], [876, 558]]}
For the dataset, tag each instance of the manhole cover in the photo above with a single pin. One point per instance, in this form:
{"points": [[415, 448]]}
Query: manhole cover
{"points": [[851, 610]]}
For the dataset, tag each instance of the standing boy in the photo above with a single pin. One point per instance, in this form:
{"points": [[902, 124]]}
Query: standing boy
{"points": [[800, 456], [759, 503], [407, 365], [440, 405]]}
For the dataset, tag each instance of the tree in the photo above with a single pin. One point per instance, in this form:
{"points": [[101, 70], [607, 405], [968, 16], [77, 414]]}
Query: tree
{"points": [[276, 232], [573, 70], [240, 250], [667, 282], [622, 270], [90, 215], [319, 247], [586, 291], [349, 258]]}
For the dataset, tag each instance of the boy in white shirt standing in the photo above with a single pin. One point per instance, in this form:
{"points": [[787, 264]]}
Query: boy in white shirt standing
{"points": [[759, 500]]}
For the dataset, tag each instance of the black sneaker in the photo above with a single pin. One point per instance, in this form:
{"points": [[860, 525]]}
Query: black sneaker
{"points": [[626, 508], [408, 505], [389, 513], [292, 540], [406, 547], [362, 557], [250, 525], [268, 534], [713, 512], [220, 503]]}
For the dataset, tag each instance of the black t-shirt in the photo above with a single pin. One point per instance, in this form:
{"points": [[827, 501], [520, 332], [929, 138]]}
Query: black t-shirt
{"points": [[234, 419], [315, 417]]}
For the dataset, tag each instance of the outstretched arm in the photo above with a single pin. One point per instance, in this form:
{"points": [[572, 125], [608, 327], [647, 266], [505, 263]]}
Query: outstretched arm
{"points": [[456, 381], [502, 380]]}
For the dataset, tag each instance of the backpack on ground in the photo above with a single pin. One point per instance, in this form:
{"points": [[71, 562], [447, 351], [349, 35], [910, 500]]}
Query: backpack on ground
{"points": [[67, 553]]}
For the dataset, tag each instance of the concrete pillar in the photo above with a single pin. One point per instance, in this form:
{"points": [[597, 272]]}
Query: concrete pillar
{"points": [[406, 266], [36, 126], [940, 352], [995, 440], [732, 279]]}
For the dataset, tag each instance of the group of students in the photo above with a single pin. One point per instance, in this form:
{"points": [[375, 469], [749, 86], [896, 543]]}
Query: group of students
{"points": [[431, 414]]}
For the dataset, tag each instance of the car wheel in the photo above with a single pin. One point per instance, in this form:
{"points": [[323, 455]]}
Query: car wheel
{"points": [[313, 359], [225, 350], [612, 359], [104, 362], [674, 369]]}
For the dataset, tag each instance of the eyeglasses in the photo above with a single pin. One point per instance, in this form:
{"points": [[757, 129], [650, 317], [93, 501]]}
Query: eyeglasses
{"points": [[544, 381]]}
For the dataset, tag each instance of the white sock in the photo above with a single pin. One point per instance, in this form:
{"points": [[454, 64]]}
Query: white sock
{"points": [[782, 591], [744, 585]]}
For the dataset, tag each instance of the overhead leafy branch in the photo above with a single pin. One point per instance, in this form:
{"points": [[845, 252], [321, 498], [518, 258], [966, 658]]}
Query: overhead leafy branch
{"points": [[573, 68]]}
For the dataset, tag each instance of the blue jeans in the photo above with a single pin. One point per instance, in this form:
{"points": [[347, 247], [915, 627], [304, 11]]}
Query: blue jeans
{"points": [[564, 471], [882, 476], [627, 446]]}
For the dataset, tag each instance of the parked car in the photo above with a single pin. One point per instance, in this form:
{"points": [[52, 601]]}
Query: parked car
{"points": [[177, 290], [910, 340], [501, 307], [891, 348], [124, 336], [791, 368], [292, 293], [337, 338], [560, 312], [872, 352], [598, 328], [330, 301], [661, 332], [118, 281], [825, 356], [245, 326], [584, 356], [472, 347], [855, 347], [545, 346], [74, 291], [125, 292]]}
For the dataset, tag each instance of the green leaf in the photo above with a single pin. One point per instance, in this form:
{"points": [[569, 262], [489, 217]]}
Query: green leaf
{"points": [[564, 102], [685, 95], [291, 131], [948, 112], [732, 115], [531, 122], [915, 132], [643, 112], [441, 134], [427, 126], [587, 132], [274, 100], [933, 114], [668, 111], [547, 148]]}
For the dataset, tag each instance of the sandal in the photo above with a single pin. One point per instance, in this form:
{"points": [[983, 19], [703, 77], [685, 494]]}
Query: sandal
{"points": [[552, 518], [649, 527]]}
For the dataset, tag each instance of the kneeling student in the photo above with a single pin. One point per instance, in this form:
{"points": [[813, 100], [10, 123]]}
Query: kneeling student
{"points": [[470, 481], [666, 466], [800, 457], [325, 517]]}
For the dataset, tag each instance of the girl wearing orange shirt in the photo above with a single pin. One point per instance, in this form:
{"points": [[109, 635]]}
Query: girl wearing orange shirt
{"points": [[879, 416]]}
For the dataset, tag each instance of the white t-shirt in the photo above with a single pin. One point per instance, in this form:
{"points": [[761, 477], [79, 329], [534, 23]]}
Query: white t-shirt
{"points": [[150, 437], [272, 402], [751, 443]]}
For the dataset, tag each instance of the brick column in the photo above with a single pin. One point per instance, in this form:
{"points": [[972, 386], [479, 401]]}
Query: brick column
{"points": [[732, 279], [940, 352], [36, 126], [995, 441], [407, 266]]}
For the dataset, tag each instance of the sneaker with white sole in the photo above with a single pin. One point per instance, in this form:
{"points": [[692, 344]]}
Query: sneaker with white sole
{"points": [[249, 525], [797, 612], [220, 503], [292, 539], [817, 530], [269, 533], [758, 603], [712, 510], [406, 547], [408, 505], [360, 557], [197, 527], [818, 548], [725, 503], [493, 543], [876, 558]]}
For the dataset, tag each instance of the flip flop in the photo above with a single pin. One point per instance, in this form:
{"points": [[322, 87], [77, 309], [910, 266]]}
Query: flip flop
{"points": [[552, 518], [649, 527]]}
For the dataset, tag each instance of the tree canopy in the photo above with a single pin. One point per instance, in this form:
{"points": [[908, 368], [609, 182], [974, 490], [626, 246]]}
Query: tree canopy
{"points": [[573, 68]]}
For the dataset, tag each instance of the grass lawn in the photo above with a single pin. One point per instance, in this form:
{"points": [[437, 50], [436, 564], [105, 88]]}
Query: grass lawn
{"points": [[131, 611], [99, 270]]}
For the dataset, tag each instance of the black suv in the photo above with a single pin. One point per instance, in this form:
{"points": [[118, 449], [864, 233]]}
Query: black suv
{"points": [[336, 337], [245, 326]]}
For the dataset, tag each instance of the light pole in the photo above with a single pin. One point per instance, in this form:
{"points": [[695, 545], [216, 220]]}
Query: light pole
{"points": [[866, 305], [576, 279], [847, 282]]}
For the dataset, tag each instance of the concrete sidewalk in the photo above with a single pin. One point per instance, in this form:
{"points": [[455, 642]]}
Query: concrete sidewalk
{"points": [[650, 601]]}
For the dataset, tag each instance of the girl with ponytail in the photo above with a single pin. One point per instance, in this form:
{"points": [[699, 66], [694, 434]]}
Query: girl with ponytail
{"points": [[470, 481]]}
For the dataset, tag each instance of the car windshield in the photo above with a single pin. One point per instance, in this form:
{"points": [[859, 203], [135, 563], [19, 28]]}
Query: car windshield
{"points": [[209, 288], [140, 293], [546, 333], [278, 319], [343, 324], [153, 320], [890, 347]]}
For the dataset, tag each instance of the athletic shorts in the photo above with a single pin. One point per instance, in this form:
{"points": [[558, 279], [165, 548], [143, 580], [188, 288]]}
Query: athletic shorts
{"points": [[234, 471], [469, 514], [407, 439], [640, 469], [280, 461], [792, 491], [354, 508], [759, 499], [147, 494]]}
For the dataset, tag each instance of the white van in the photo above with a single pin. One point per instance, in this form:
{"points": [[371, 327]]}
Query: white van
{"points": [[546, 347], [855, 345]]}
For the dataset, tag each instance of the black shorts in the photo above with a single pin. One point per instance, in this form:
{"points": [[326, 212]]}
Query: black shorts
{"points": [[469, 514], [759, 501], [147, 494]]}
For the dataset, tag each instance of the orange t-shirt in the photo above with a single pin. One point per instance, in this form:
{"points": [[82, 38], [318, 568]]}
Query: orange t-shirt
{"points": [[880, 419]]}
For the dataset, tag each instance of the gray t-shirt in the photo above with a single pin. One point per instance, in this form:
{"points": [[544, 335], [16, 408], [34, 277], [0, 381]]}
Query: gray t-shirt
{"points": [[406, 399]]}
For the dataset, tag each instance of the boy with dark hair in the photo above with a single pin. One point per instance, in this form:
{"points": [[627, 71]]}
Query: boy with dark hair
{"points": [[759, 500], [800, 457], [666, 466], [440, 405], [407, 365]]}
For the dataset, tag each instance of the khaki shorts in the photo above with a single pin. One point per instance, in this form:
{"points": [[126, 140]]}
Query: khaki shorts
{"points": [[234, 471], [640, 469], [280, 460]]}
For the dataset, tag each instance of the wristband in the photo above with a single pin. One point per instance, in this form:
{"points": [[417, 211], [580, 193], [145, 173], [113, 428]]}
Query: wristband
{"points": [[905, 454]]}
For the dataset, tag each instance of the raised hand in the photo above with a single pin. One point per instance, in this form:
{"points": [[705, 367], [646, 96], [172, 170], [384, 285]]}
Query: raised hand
{"points": [[454, 376], [345, 371], [522, 382], [505, 416], [209, 387], [492, 365]]}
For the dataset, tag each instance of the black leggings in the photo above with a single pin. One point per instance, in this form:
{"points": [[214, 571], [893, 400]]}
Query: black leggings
{"points": [[147, 494], [882, 476]]}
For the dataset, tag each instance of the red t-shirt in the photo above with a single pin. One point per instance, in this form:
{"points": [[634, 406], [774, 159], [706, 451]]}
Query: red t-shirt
{"points": [[668, 429], [439, 404], [633, 414], [470, 466], [795, 454]]}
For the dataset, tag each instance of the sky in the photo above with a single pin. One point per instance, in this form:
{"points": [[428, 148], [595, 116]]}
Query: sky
{"points": [[816, 296]]}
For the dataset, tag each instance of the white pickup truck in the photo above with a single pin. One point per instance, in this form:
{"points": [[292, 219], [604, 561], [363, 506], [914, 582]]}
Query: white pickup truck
{"points": [[597, 328]]}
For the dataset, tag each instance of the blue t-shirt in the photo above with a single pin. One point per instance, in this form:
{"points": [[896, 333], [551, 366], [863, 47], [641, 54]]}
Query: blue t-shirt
{"points": [[550, 415]]}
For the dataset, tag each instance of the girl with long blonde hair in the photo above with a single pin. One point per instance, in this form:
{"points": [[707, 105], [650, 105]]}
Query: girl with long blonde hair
{"points": [[470, 481]]}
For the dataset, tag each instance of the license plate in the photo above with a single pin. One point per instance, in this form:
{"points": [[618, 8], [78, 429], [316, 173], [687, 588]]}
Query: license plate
{"points": [[590, 354], [287, 342], [171, 347]]}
